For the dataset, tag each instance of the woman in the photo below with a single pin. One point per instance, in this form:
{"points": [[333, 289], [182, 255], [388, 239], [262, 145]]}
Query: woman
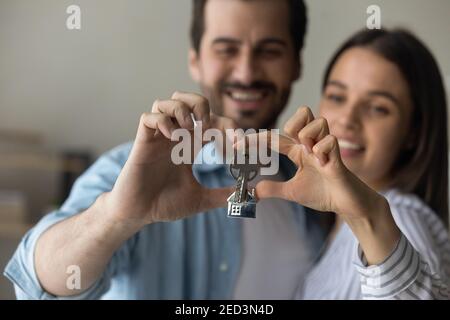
{"points": [[377, 158]]}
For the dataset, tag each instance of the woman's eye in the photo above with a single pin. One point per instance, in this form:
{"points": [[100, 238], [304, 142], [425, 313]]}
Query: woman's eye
{"points": [[380, 110], [335, 98]]}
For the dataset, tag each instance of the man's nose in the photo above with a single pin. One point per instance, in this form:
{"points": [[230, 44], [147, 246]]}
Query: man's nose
{"points": [[246, 69]]}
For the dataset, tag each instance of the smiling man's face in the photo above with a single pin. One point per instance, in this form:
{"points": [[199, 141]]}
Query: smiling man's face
{"points": [[246, 64]]}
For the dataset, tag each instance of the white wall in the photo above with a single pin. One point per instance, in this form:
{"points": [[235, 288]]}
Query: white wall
{"points": [[87, 88]]}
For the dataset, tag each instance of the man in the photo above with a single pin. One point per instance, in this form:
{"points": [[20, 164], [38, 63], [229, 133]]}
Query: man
{"points": [[131, 225]]}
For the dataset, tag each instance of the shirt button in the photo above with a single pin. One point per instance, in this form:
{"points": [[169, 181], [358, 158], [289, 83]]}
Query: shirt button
{"points": [[223, 267]]}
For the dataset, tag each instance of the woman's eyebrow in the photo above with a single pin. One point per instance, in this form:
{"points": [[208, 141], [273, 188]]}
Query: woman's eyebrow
{"points": [[336, 83], [372, 93], [386, 95]]}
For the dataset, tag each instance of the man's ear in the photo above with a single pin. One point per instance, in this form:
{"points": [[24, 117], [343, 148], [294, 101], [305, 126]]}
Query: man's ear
{"points": [[193, 62]]}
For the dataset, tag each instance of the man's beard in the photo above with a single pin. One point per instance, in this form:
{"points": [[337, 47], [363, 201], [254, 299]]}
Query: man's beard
{"points": [[215, 98]]}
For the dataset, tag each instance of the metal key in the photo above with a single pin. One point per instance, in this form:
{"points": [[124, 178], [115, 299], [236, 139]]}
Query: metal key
{"points": [[242, 202]]}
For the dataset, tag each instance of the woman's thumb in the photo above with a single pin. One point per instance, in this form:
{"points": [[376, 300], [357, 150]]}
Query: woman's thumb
{"points": [[271, 189]]}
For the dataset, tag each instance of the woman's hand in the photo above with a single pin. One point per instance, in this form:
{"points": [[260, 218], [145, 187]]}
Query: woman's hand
{"points": [[322, 182]]}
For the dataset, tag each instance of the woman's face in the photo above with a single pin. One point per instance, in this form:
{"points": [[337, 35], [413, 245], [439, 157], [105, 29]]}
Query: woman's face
{"points": [[368, 107]]}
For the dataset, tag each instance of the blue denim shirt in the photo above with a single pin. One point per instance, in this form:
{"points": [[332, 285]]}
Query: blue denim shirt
{"points": [[193, 258]]}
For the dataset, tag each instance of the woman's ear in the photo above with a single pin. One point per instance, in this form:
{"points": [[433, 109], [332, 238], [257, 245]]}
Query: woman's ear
{"points": [[193, 62]]}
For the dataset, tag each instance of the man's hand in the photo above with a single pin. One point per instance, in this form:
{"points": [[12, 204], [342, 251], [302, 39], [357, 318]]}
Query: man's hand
{"points": [[151, 188]]}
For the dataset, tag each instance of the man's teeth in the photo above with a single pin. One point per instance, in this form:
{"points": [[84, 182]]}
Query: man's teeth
{"points": [[349, 145], [246, 96]]}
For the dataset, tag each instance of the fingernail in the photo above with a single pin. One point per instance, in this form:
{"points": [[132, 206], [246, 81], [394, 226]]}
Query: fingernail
{"points": [[194, 123]]}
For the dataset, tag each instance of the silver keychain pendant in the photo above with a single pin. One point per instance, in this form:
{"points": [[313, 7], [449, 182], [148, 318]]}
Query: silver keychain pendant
{"points": [[242, 202]]}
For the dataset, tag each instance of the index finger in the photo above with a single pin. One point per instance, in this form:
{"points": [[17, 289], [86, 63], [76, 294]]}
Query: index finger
{"points": [[276, 142], [198, 104], [298, 121]]}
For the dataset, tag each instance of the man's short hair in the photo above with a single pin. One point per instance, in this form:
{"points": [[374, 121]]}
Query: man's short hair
{"points": [[297, 23]]}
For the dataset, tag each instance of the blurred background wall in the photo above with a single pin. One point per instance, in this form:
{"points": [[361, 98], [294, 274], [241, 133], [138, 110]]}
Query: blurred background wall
{"points": [[81, 92], [87, 88]]}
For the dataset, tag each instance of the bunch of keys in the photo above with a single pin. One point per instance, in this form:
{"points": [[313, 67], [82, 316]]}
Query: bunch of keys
{"points": [[242, 202]]}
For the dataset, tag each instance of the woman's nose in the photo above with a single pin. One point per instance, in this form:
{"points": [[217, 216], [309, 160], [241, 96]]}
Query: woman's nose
{"points": [[349, 118]]}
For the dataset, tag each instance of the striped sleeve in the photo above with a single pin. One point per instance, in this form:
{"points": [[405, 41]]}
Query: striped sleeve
{"points": [[418, 266]]}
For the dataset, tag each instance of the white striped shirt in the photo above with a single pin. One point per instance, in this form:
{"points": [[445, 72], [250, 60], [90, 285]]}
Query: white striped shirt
{"points": [[418, 268]]}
